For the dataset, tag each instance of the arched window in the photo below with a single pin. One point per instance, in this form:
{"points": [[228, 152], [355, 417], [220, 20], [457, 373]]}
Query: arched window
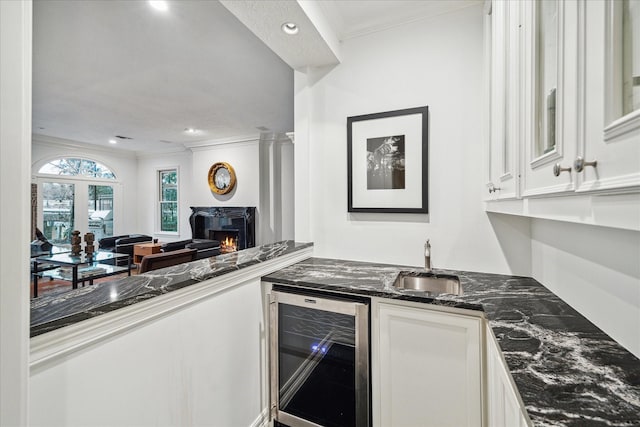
{"points": [[77, 167], [75, 194]]}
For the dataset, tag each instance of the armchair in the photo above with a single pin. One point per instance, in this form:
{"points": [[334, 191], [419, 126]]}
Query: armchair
{"points": [[205, 248]]}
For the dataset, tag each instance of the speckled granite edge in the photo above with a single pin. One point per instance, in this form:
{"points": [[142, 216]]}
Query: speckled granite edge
{"points": [[58, 310], [568, 371]]}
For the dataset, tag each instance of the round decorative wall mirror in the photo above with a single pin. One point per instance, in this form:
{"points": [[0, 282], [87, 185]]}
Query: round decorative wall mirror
{"points": [[222, 178]]}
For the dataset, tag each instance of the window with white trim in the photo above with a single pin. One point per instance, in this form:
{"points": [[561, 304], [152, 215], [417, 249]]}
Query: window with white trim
{"points": [[168, 200]]}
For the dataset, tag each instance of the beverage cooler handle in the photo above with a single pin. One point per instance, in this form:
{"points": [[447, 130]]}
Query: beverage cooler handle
{"points": [[273, 355]]}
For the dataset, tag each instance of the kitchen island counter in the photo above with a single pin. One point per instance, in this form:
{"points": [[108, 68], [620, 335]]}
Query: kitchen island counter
{"points": [[567, 370], [52, 312]]}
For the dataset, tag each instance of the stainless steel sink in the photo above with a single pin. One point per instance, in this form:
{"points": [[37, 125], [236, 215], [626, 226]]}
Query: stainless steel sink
{"points": [[428, 282]]}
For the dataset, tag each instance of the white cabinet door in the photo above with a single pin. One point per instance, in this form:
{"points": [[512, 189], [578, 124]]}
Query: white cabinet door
{"points": [[503, 403], [550, 99], [426, 368], [502, 44], [611, 116]]}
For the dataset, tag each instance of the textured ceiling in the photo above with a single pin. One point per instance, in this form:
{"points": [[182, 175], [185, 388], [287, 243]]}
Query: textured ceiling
{"points": [[107, 68]]}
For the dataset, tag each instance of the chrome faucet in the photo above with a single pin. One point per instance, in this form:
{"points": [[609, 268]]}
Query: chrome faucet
{"points": [[427, 256]]}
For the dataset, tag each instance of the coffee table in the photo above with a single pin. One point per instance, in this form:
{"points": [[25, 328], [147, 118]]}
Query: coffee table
{"points": [[80, 268]]}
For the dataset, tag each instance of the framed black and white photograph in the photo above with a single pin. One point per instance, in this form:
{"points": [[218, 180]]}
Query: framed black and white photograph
{"points": [[387, 161]]}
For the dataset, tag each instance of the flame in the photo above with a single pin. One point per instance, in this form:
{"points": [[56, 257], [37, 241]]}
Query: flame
{"points": [[228, 244]]}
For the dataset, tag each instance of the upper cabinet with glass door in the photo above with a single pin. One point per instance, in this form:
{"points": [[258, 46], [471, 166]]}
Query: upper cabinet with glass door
{"points": [[608, 156], [550, 99], [502, 61]]}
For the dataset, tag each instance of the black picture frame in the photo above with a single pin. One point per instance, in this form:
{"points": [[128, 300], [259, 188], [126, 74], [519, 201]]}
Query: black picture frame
{"points": [[387, 161]]}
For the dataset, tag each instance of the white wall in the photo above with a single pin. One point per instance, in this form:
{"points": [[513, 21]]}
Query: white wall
{"points": [[201, 366], [122, 163], [147, 184], [594, 269], [244, 158], [435, 62]]}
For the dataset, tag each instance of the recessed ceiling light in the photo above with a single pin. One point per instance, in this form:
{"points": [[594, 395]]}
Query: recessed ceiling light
{"points": [[160, 5], [191, 131], [290, 28], [113, 141]]}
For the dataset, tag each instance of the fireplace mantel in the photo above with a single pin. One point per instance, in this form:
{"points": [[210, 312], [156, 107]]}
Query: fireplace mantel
{"points": [[205, 220]]}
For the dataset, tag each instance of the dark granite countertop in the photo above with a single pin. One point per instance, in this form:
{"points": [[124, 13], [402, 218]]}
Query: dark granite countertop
{"points": [[66, 308], [568, 371]]}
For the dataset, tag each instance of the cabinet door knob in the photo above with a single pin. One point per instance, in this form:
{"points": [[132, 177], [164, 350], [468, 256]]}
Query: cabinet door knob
{"points": [[580, 164], [492, 187], [558, 169]]}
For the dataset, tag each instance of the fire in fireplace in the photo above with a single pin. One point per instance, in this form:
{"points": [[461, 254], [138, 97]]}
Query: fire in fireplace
{"points": [[228, 239], [228, 245]]}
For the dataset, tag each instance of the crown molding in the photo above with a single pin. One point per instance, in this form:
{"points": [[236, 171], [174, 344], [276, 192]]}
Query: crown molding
{"points": [[203, 145], [372, 29], [52, 141]]}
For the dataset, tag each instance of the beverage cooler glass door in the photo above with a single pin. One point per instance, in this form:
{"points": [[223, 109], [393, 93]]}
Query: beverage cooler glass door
{"points": [[319, 361]]}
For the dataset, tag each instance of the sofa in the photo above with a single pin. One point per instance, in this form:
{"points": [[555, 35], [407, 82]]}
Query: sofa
{"points": [[205, 248], [166, 259], [122, 244]]}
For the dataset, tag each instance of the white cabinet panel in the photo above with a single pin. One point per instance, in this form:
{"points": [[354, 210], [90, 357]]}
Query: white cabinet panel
{"points": [[503, 403], [501, 50], [611, 137], [426, 368], [550, 99]]}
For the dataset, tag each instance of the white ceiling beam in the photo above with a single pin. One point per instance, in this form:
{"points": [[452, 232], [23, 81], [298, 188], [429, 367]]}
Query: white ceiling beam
{"points": [[315, 45]]}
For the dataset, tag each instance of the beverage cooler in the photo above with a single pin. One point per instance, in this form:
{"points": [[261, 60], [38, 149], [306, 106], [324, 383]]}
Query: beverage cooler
{"points": [[319, 359]]}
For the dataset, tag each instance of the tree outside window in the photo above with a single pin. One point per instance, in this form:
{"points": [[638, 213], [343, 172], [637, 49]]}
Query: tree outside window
{"points": [[168, 180], [68, 166]]}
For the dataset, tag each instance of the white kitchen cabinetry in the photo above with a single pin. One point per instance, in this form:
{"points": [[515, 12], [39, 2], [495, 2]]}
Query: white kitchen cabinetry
{"points": [[426, 367], [563, 82], [501, 50], [549, 99], [504, 407]]}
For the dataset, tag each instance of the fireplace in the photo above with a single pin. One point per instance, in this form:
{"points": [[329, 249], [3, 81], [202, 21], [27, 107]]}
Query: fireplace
{"points": [[235, 226], [228, 239]]}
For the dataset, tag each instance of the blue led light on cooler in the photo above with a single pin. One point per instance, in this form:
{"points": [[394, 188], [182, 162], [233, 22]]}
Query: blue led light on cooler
{"points": [[316, 347]]}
